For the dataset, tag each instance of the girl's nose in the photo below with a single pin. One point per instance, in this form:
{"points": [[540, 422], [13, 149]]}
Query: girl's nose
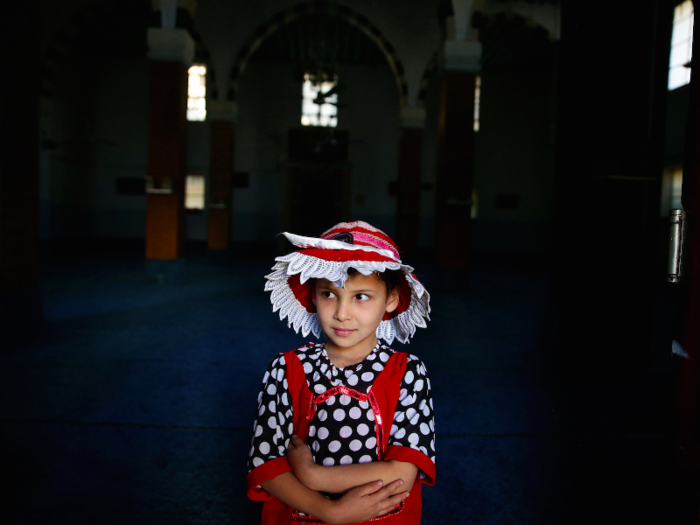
{"points": [[342, 312]]}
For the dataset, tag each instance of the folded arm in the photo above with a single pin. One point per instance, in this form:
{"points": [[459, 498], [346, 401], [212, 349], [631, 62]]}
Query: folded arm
{"points": [[341, 478], [370, 500]]}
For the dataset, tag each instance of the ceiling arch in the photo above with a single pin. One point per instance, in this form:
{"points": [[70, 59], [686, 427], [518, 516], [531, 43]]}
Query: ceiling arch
{"points": [[356, 20]]}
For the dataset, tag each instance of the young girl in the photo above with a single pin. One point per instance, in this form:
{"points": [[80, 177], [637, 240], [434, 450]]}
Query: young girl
{"points": [[345, 430]]}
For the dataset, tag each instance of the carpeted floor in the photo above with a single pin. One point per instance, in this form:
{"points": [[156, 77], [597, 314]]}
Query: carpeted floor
{"points": [[136, 403]]}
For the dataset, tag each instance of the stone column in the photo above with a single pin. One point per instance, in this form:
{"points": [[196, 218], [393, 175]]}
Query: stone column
{"points": [[408, 202], [222, 114], [455, 164], [171, 52], [20, 296]]}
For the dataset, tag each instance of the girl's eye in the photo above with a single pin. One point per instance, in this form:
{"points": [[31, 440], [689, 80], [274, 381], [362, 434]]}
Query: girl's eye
{"points": [[362, 296], [328, 295]]}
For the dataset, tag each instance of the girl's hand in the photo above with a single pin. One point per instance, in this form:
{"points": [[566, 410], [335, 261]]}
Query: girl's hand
{"points": [[365, 502], [301, 462]]}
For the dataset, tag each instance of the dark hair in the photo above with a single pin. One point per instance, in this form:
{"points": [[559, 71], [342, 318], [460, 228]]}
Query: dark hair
{"points": [[390, 278]]}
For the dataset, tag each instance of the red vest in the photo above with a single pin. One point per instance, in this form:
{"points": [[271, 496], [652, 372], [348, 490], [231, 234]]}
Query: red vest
{"points": [[385, 390]]}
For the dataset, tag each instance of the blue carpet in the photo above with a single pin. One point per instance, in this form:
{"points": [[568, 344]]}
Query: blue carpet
{"points": [[135, 405]]}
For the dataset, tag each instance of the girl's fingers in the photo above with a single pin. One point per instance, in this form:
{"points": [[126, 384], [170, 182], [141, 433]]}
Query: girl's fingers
{"points": [[391, 502], [382, 494], [296, 442], [391, 488], [371, 488], [398, 497]]}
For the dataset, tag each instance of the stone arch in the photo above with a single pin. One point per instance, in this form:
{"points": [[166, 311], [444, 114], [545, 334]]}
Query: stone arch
{"points": [[315, 7]]}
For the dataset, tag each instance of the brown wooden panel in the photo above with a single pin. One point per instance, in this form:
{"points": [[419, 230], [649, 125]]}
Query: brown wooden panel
{"points": [[455, 170], [167, 159], [163, 237], [408, 202]]}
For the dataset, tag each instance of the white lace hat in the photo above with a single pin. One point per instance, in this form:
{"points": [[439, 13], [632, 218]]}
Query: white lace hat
{"points": [[346, 245]]}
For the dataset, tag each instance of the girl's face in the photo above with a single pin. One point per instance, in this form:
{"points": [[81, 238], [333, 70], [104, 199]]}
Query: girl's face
{"points": [[350, 316]]}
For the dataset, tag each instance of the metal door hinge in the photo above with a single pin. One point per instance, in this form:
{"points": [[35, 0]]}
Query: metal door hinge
{"points": [[677, 221]]}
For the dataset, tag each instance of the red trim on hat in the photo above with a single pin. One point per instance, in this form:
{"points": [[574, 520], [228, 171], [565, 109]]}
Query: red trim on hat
{"points": [[345, 255], [405, 294], [303, 292], [404, 300], [355, 228]]}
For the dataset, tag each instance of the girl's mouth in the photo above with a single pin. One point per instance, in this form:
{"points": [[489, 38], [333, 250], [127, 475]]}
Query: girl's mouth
{"points": [[342, 332]]}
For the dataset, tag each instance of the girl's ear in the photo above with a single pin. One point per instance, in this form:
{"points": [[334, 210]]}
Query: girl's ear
{"points": [[392, 302]]}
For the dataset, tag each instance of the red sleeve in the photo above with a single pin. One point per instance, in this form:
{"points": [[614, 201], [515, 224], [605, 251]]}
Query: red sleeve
{"points": [[409, 455], [266, 471]]}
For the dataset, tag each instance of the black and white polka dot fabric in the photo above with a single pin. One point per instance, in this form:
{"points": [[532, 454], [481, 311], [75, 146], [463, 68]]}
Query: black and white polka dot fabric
{"points": [[342, 430]]}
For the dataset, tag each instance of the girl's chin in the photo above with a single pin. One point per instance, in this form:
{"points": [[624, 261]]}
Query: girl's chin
{"points": [[350, 342]]}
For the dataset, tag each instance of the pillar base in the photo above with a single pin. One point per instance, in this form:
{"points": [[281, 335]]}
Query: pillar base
{"points": [[167, 271], [21, 317]]}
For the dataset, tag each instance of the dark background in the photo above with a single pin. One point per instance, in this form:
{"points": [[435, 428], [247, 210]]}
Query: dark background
{"points": [[128, 400]]}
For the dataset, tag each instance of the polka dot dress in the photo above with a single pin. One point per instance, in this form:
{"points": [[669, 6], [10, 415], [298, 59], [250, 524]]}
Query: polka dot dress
{"points": [[342, 430]]}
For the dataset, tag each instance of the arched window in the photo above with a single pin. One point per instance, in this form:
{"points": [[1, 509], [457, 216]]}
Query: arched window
{"points": [[681, 45]]}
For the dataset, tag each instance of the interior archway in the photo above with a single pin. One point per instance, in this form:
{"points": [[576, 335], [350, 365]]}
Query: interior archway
{"points": [[354, 183], [312, 8]]}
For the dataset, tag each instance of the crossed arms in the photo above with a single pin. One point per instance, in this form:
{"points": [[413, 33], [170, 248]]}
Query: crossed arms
{"points": [[369, 489]]}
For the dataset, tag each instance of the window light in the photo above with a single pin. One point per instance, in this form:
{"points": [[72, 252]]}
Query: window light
{"points": [[671, 189], [681, 45], [196, 93], [325, 114], [194, 192], [477, 101]]}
